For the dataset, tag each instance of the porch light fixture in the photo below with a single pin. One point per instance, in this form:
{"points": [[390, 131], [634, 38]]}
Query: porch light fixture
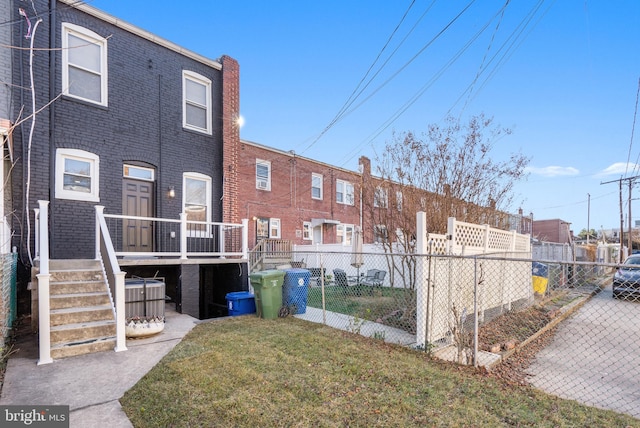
{"points": [[172, 192]]}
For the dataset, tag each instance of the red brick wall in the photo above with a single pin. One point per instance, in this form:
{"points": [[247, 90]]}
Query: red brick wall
{"points": [[554, 230], [230, 138], [290, 196]]}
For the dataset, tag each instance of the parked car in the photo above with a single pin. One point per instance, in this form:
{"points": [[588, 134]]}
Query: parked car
{"points": [[626, 281]]}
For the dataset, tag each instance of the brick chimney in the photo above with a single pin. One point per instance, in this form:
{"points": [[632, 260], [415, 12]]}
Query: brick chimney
{"points": [[230, 138]]}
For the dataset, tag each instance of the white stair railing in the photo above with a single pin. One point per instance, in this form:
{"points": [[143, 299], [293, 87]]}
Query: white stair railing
{"points": [[44, 308], [115, 277]]}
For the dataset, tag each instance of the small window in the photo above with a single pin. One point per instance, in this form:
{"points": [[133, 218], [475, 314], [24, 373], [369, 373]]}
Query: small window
{"points": [[197, 204], [138, 172], [77, 174], [344, 234], [274, 228], [263, 174], [196, 102], [380, 233], [306, 231], [399, 200], [84, 64], [316, 186], [344, 192], [380, 199]]}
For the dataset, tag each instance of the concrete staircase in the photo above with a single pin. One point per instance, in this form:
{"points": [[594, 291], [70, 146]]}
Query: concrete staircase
{"points": [[82, 318]]}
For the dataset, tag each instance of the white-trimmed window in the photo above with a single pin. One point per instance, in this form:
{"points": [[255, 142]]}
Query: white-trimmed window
{"points": [[196, 102], [84, 64], [307, 231], [380, 198], [138, 172], [316, 186], [380, 233], [196, 203], [344, 234], [263, 174], [274, 228], [77, 175], [344, 192], [399, 200]]}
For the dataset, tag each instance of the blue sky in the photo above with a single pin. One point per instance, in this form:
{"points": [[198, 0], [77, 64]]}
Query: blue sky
{"points": [[563, 75]]}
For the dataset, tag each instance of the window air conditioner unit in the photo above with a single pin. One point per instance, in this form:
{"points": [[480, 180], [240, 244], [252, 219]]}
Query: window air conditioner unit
{"points": [[262, 184]]}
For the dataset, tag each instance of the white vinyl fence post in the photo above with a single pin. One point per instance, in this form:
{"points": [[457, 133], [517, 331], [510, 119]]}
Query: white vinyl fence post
{"points": [[421, 280]]}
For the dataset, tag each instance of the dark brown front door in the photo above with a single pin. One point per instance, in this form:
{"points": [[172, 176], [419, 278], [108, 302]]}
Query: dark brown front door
{"points": [[137, 200]]}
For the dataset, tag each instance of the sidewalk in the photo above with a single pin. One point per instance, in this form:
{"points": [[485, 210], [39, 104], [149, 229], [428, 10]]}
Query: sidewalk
{"points": [[364, 328], [92, 384]]}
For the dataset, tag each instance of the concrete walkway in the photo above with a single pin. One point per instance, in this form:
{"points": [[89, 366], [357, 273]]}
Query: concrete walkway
{"points": [[594, 357], [354, 325], [90, 385]]}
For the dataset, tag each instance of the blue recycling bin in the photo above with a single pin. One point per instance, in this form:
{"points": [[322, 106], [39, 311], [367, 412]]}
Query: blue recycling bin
{"points": [[295, 289], [240, 303]]}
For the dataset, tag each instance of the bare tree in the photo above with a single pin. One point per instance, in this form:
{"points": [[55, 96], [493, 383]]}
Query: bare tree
{"points": [[447, 172]]}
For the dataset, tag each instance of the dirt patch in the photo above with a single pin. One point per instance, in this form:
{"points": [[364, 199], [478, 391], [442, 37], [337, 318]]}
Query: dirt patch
{"points": [[507, 331]]}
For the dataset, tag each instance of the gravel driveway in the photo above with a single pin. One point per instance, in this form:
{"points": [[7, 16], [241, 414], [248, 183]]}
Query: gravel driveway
{"points": [[594, 357]]}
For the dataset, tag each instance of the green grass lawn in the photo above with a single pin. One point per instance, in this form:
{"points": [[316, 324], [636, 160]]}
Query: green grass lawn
{"points": [[246, 371]]}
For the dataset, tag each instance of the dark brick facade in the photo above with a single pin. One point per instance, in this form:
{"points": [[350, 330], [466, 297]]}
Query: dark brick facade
{"points": [[142, 124]]}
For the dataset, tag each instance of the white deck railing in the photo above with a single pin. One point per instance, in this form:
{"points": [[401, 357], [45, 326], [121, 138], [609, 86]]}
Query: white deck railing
{"points": [[160, 237], [178, 238]]}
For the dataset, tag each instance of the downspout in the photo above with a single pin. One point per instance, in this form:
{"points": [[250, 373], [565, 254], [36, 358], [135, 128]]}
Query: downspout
{"points": [[52, 116], [161, 187]]}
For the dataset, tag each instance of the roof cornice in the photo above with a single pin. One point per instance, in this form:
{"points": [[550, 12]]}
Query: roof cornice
{"points": [[97, 13]]}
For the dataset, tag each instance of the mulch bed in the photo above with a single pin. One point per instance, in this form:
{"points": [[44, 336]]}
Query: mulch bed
{"points": [[510, 329]]}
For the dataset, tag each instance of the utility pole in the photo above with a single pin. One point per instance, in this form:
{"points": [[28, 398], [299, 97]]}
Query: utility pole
{"points": [[630, 181], [629, 240], [588, 215]]}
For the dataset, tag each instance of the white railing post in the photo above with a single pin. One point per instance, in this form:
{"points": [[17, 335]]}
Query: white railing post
{"points": [[183, 236], [44, 308], [121, 321], [245, 238], [421, 280], [37, 232], [221, 246], [99, 213]]}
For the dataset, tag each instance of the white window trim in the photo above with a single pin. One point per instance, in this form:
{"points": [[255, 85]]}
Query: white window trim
{"points": [[94, 160], [260, 184], [197, 78], [318, 176], [125, 174], [93, 38], [399, 200], [345, 186], [275, 223], [381, 198], [347, 233], [197, 176], [308, 228]]}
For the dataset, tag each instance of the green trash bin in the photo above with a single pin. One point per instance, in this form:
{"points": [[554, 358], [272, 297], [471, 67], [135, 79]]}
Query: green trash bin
{"points": [[267, 285]]}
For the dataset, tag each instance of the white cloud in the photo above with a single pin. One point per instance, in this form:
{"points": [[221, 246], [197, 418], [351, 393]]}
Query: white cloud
{"points": [[620, 168], [552, 171]]}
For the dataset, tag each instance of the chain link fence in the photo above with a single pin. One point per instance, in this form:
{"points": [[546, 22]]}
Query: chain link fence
{"points": [[483, 310]]}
